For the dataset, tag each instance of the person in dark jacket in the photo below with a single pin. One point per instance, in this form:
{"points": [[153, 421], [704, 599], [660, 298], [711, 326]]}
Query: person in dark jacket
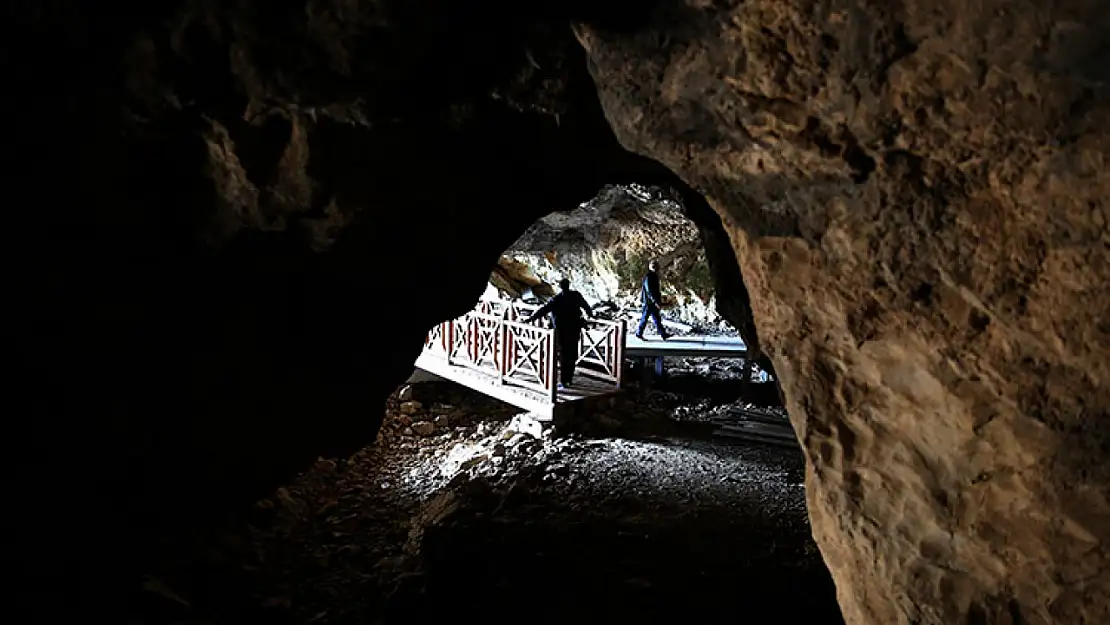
{"points": [[566, 308], [652, 300]]}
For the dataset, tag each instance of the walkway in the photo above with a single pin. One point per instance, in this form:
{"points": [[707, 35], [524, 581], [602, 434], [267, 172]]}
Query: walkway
{"points": [[493, 351], [708, 346]]}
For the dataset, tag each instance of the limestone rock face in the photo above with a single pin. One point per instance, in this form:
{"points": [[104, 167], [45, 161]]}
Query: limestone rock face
{"points": [[604, 245], [515, 279], [916, 194]]}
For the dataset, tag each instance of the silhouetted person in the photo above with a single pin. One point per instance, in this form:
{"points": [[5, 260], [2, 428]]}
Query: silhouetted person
{"points": [[652, 301], [566, 310]]}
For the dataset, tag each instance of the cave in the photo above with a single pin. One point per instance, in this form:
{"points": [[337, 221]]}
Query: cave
{"points": [[229, 252]]}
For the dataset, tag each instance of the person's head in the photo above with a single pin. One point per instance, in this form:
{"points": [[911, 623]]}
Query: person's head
{"points": [[564, 284], [653, 265]]}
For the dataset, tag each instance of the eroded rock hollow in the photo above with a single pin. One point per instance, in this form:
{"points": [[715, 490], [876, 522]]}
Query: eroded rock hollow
{"points": [[230, 214]]}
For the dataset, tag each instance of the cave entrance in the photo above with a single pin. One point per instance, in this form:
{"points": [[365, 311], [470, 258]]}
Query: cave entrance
{"points": [[470, 508], [604, 248], [636, 513]]}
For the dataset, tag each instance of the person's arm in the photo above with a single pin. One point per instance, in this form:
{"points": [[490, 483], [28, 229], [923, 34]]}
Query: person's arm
{"points": [[543, 310], [585, 306]]}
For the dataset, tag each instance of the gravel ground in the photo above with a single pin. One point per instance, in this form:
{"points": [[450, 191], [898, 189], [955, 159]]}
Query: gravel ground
{"points": [[634, 531], [493, 517]]}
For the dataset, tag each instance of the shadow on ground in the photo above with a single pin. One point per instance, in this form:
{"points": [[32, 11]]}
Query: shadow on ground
{"points": [[632, 531], [493, 519]]}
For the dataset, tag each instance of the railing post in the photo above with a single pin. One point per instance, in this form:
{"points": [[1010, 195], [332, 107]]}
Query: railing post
{"points": [[618, 352], [449, 337], [552, 384], [502, 350], [471, 340]]}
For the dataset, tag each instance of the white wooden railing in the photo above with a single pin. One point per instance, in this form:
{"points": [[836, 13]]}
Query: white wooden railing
{"points": [[494, 339]]}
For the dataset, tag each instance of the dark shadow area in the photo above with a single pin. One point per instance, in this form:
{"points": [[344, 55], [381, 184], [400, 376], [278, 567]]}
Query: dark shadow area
{"points": [[484, 515], [633, 557], [718, 390]]}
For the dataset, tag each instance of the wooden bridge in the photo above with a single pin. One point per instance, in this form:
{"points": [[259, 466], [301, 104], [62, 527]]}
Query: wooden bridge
{"points": [[492, 350]]}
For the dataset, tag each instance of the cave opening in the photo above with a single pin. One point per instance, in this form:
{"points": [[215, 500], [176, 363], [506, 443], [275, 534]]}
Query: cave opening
{"points": [[681, 497], [604, 247]]}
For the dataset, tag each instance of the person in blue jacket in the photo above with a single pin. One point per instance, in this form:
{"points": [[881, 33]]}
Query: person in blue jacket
{"points": [[652, 300], [566, 309]]}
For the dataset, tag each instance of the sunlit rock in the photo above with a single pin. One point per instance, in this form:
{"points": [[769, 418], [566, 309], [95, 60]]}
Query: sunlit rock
{"points": [[604, 246]]}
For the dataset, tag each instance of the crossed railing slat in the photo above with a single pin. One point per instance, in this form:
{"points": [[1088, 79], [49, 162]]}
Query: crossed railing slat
{"points": [[494, 340]]}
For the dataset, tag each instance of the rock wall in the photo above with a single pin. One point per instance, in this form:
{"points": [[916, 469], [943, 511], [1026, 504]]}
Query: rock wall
{"points": [[916, 195], [515, 279], [603, 247], [221, 257]]}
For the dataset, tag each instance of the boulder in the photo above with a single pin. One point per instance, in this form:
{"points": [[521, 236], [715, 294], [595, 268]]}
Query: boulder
{"points": [[516, 279], [525, 424]]}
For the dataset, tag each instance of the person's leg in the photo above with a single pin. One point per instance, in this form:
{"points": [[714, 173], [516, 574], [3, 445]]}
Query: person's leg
{"points": [[643, 321], [568, 356], [658, 322], [569, 362]]}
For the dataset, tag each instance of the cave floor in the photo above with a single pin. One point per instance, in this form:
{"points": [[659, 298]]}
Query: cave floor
{"points": [[497, 519], [630, 531]]}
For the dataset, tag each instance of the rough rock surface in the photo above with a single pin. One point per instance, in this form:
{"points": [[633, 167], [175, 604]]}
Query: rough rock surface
{"points": [[603, 247], [515, 279], [916, 194]]}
